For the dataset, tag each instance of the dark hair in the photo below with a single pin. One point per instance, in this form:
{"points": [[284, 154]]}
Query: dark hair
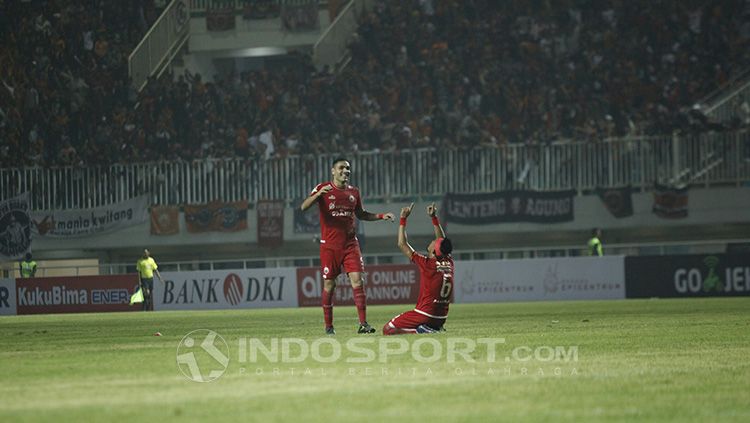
{"points": [[446, 247], [594, 231], [339, 159], [28, 256]]}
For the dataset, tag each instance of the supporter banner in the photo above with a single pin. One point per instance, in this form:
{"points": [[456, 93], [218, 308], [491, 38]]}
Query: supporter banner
{"points": [[76, 294], [308, 221], [570, 278], [384, 284], [165, 220], [7, 297], [670, 202], [299, 15], [509, 206], [84, 222], [216, 216], [700, 275], [618, 201], [226, 289], [220, 19], [270, 223], [15, 228]]}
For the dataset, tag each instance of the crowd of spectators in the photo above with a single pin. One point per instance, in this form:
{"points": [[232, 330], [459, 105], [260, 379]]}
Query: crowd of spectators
{"points": [[444, 73], [63, 77]]}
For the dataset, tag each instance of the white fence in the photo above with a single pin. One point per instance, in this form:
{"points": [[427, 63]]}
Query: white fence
{"points": [[11, 269], [424, 173]]}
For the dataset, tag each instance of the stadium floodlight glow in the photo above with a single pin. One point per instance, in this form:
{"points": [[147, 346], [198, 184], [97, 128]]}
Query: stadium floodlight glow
{"points": [[261, 51]]}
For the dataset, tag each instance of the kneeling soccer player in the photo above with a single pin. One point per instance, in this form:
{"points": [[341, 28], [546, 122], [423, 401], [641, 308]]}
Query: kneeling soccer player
{"points": [[435, 280]]}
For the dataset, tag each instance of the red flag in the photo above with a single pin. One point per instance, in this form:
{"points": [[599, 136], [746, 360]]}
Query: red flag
{"points": [[165, 220]]}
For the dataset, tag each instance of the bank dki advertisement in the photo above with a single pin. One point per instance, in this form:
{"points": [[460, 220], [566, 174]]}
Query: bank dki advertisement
{"points": [[226, 289]]}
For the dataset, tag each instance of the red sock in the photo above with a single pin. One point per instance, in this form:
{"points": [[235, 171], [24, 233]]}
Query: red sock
{"points": [[360, 300], [328, 307]]}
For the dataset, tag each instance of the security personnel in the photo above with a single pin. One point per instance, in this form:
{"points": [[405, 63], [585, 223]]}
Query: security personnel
{"points": [[28, 267], [595, 245], [146, 268]]}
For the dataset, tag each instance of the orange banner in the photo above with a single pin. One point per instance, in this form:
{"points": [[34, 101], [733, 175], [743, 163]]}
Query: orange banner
{"points": [[165, 220], [216, 217]]}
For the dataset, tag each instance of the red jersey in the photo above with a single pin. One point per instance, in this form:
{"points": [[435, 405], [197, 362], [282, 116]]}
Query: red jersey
{"points": [[436, 285], [338, 207]]}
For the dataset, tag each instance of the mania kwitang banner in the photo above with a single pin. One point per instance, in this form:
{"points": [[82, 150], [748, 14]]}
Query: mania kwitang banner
{"points": [[509, 206], [87, 222], [15, 227]]}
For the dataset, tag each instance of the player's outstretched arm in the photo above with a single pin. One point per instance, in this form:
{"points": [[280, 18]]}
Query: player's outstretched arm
{"points": [[313, 197], [403, 243], [367, 216], [432, 212]]}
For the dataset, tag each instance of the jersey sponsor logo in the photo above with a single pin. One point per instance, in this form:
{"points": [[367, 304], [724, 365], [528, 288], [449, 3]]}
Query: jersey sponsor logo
{"points": [[342, 213], [443, 266]]}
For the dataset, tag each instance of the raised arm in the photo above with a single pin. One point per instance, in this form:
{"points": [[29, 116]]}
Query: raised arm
{"points": [[403, 243], [313, 197], [432, 212]]}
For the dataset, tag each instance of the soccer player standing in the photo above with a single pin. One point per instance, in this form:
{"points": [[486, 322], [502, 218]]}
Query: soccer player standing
{"points": [[339, 203], [435, 280]]}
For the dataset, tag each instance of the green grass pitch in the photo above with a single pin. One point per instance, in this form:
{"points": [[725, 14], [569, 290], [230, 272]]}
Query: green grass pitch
{"points": [[657, 360]]}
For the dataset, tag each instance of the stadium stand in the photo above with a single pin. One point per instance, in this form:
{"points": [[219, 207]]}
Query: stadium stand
{"points": [[65, 98], [510, 95], [423, 74]]}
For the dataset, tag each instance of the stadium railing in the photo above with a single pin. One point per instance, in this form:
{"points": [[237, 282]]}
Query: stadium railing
{"points": [[332, 45], [160, 44], [707, 159], [631, 249], [723, 104]]}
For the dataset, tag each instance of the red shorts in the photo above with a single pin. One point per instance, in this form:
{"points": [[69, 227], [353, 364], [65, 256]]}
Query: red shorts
{"points": [[331, 261], [409, 320]]}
